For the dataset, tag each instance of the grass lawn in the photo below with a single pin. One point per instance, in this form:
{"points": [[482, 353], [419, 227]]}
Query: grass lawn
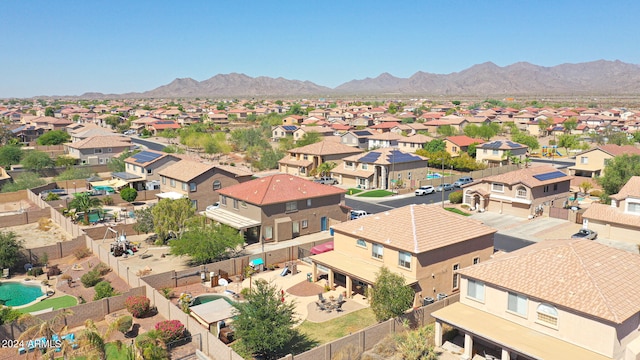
{"points": [[376, 193], [55, 303], [112, 352], [457, 211], [353, 191], [337, 328]]}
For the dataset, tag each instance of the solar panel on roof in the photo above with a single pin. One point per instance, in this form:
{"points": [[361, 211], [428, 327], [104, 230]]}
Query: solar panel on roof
{"points": [[550, 175], [290, 128], [362, 133], [513, 145], [145, 156], [401, 157], [370, 157]]}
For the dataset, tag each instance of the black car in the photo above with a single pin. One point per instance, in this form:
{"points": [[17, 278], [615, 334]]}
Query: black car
{"points": [[585, 234]]}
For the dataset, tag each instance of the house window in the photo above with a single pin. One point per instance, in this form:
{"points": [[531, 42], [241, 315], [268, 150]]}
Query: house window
{"points": [[217, 185], [497, 187], [521, 192], [223, 200], [164, 180], [633, 207], [192, 187], [109, 150], [308, 202], [476, 260], [494, 152], [348, 164], [555, 187], [376, 251], [291, 206], [149, 171], [365, 166], [172, 183], [184, 186], [547, 314], [97, 151], [404, 259], [484, 151], [584, 160], [361, 242], [235, 204], [517, 303], [305, 157], [454, 149], [362, 182], [545, 188], [475, 290], [141, 170], [194, 203], [243, 204], [305, 224], [268, 232], [456, 277], [303, 170]]}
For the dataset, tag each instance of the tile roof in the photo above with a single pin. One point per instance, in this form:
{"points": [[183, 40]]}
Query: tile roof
{"points": [[325, 147], [616, 150], [96, 142], [463, 140], [415, 228], [136, 160], [416, 139], [609, 214], [502, 145], [386, 136], [582, 275], [235, 170], [278, 189], [630, 189], [527, 176], [185, 170], [386, 156]]}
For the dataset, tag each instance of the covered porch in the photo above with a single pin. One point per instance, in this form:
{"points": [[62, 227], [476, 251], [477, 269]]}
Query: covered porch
{"points": [[250, 227]]}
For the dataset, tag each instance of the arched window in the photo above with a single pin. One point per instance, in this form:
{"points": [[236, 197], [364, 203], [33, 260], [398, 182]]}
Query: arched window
{"points": [[217, 185], [547, 314], [521, 192]]}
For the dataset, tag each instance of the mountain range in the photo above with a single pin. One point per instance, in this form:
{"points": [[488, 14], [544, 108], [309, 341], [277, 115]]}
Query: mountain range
{"points": [[600, 77]]}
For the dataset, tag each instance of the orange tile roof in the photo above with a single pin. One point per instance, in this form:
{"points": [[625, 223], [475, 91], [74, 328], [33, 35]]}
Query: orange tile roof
{"points": [[96, 142], [526, 176], [185, 170], [631, 188], [325, 147], [582, 275], [616, 150], [415, 228], [463, 140], [278, 189], [609, 214]]}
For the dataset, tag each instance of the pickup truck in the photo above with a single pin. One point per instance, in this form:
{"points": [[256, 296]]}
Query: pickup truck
{"points": [[326, 181]]}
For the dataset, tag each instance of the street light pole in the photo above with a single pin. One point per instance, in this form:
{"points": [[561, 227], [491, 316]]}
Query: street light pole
{"points": [[442, 183]]}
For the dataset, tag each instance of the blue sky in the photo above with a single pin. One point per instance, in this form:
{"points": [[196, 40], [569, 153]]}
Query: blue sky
{"points": [[72, 47]]}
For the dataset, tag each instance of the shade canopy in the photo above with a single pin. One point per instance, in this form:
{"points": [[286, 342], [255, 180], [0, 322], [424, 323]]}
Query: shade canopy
{"points": [[322, 248]]}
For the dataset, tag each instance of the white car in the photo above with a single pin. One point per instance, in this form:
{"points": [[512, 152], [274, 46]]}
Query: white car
{"points": [[425, 190], [356, 214], [213, 207]]}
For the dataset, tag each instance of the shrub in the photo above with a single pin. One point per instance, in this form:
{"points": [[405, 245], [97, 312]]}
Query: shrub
{"points": [[138, 306], [455, 197], [102, 269], [124, 323], [108, 200], [81, 253], [52, 197], [104, 290], [91, 278], [149, 347], [170, 330], [53, 270], [596, 193], [35, 271]]}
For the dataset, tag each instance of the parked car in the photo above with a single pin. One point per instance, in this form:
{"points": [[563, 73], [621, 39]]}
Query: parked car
{"points": [[356, 214], [585, 234], [463, 181], [326, 181], [444, 187], [214, 206], [425, 190]]}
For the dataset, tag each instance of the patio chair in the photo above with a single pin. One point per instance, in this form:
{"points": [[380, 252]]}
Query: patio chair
{"points": [[339, 306], [340, 299], [320, 306], [321, 298]]}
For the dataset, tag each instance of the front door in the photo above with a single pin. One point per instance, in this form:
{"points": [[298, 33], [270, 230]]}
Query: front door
{"points": [[296, 229], [323, 223]]}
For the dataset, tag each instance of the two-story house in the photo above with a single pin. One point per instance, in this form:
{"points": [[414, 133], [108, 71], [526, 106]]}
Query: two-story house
{"points": [[282, 131], [553, 300], [304, 160], [198, 181], [381, 169], [591, 163], [521, 192], [621, 219], [356, 138], [498, 152], [425, 244], [98, 149], [142, 169], [279, 207], [384, 140], [455, 145], [412, 143]]}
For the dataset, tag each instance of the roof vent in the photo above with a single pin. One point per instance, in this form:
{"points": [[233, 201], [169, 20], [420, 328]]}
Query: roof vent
{"points": [[388, 241]]}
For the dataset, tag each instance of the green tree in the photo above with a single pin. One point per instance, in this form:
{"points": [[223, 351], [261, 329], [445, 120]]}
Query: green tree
{"points": [[308, 138], [10, 249], [92, 341], [618, 171], [525, 139], [112, 121], [129, 194], [74, 173], [570, 124], [144, 220], [9, 315], [265, 322], [169, 134], [104, 290], [390, 297], [243, 139], [326, 167], [10, 155], [55, 137], [65, 161], [446, 130], [286, 143], [568, 141], [269, 159], [472, 149], [544, 124], [37, 160], [38, 328], [435, 145], [171, 216], [117, 164], [26, 180], [206, 243], [49, 111], [83, 202]]}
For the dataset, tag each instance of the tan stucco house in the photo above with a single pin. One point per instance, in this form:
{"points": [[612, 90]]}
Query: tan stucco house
{"points": [[591, 163], [497, 153], [304, 160]]}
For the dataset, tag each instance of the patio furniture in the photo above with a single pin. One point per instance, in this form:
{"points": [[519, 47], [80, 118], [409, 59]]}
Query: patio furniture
{"points": [[320, 306], [339, 306], [321, 298], [340, 298]]}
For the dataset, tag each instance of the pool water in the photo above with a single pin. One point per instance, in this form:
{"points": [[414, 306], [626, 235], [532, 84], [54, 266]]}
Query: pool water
{"points": [[203, 299], [434, 176], [17, 294]]}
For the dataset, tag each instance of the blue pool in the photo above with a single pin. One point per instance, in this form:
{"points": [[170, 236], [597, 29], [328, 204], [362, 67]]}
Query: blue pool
{"points": [[17, 294], [203, 299], [434, 176]]}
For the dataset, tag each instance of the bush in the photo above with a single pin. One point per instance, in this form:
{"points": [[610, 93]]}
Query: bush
{"points": [[82, 253], [170, 330], [53, 270], [149, 347], [455, 197], [35, 271], [138, 306], [52, 197], [102, 269], [91, 278], [596, 193], [124, 323], [108, 200], [104, 290]]}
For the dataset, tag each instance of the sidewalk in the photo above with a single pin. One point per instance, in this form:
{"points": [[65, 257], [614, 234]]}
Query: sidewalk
{"points": [[319, 237], [379, 199]]}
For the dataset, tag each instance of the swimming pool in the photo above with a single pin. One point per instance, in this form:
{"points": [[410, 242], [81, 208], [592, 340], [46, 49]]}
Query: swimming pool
{"points": [[203, 299], [14, 293], [434, 176]]}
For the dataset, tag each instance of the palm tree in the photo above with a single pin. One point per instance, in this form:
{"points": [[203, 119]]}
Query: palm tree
{"points": [[326, 167], [46, 329], [83, 202], [93, 342]]}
